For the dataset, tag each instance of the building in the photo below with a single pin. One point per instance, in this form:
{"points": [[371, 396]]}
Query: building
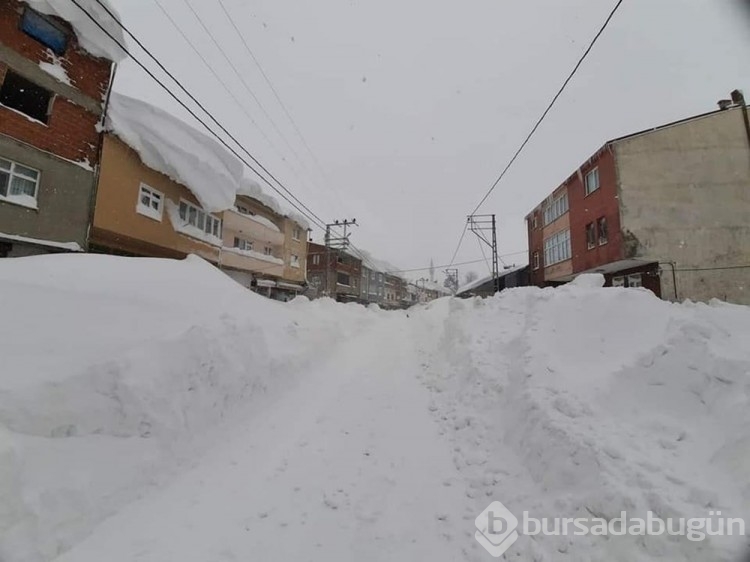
{"points": [[666, 209], [143, 211], [516, 276], [54, 79], [333, 273], [372, 286]]}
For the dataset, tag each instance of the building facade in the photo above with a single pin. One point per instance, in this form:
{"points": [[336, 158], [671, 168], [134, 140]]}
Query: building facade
{"points": [[333, 273], [52, 96], [142, 212], [664, 209]]}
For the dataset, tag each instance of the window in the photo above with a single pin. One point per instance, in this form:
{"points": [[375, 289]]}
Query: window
{"points": [[602, 228], [45, 30], [590, 235], [316, 259], [268, 251], [150, 202], [557, 248], [296, 233], [536, 260], [243, 244], [342, 279], [618, 281], [635, 280], [354, 283], [294, 262], [556, 209], [592, 181], [25, 96], [200, 219], [534, 222], [243, 210], [18, 184]]}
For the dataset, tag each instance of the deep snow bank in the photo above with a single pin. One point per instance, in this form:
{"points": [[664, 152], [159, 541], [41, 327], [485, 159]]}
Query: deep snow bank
{"points": [[584, 402], [116, 370]]}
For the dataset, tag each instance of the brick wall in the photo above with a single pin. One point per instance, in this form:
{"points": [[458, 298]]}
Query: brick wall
{"points": [[536, 244], [70, 132], [585, 209], [87, 73]]}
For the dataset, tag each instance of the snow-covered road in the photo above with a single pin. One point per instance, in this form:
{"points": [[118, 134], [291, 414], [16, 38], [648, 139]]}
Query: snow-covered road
{"points": [[195, 421], [347, 465]]}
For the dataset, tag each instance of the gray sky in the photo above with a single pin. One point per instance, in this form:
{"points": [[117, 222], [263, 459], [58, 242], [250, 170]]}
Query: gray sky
{"points": [[412, 108]]}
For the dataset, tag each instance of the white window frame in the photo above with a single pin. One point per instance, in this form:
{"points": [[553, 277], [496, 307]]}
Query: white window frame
{"points": [[535, 258], [11, 171], [618, 281], [201, 218], [635, 280], [557, 208], [588, 190], [316, 259], [557, 248], [149, 211], [294, 260], [243, 244], [296, 233], [591, 227], [602, 239], [268, 251]]}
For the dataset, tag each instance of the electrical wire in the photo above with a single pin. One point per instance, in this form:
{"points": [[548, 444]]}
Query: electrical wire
{"points": [[316, 220], [282, 104], [551, 104]]}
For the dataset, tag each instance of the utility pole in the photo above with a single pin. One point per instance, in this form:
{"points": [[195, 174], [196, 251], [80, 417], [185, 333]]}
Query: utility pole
{"points": [[452, 279], [336, 240], [482, 225]]}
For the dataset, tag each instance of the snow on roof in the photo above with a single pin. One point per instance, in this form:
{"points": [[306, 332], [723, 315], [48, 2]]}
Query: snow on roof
{"points": [[252, 189], [477, 282], [90, 37], [171, 146]]}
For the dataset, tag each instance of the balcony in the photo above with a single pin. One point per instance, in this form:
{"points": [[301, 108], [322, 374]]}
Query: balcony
{"points": [[253, 227]]}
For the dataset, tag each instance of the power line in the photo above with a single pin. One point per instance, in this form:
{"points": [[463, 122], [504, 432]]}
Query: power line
{"points": [[715, 268], [242, 78], [279, 100], [452, 264], [458, 246], [218, 78], [124, 48], [551, 104]]}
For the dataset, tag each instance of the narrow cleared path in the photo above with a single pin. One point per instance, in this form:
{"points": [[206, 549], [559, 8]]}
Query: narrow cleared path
{"points": [[348, 465]]}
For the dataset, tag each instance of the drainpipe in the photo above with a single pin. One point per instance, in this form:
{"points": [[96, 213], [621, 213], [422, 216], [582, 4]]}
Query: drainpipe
{"points": [[738, 98], [99, 152], [674, 276]]}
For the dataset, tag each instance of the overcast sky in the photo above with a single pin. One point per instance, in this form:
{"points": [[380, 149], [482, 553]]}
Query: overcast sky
{"points": [[413, 107]]}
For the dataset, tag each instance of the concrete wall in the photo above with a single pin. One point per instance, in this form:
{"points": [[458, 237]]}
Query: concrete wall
{"points": [[685, 197], [63, 198], [294, 247], [118, 227]]}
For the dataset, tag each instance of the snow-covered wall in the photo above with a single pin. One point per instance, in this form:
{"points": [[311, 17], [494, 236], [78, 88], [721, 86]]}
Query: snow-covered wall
{"points": [[90, 37]]}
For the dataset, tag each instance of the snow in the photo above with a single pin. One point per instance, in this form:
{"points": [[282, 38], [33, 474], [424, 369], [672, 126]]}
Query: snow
{"points": [[156, 410], [172, 147], [55, 68], [90, 37], [168, 145], [254, 254], [264, 221], [70, 246]]}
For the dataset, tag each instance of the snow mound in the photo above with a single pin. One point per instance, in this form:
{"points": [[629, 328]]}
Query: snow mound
{"points": [[169, 145], [115, 371], [90, 37], [585, 402], [590, 280]]}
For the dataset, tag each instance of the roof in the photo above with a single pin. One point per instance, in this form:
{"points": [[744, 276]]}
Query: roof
{"points": [[479, 282], [90, 37], [607, 144]]}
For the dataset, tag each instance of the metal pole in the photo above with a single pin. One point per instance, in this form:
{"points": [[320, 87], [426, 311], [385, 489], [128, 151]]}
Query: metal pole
{"points": [[495, 266]]}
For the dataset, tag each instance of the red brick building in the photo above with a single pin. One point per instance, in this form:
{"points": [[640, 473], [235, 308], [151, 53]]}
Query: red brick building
{"points": [[333, 273], [664, 209], [52, 94]]}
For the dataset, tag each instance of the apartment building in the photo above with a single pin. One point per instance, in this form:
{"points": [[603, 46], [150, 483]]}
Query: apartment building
{"points": [[665, 209], [333, 273], [142, 211], [53, 83]]}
